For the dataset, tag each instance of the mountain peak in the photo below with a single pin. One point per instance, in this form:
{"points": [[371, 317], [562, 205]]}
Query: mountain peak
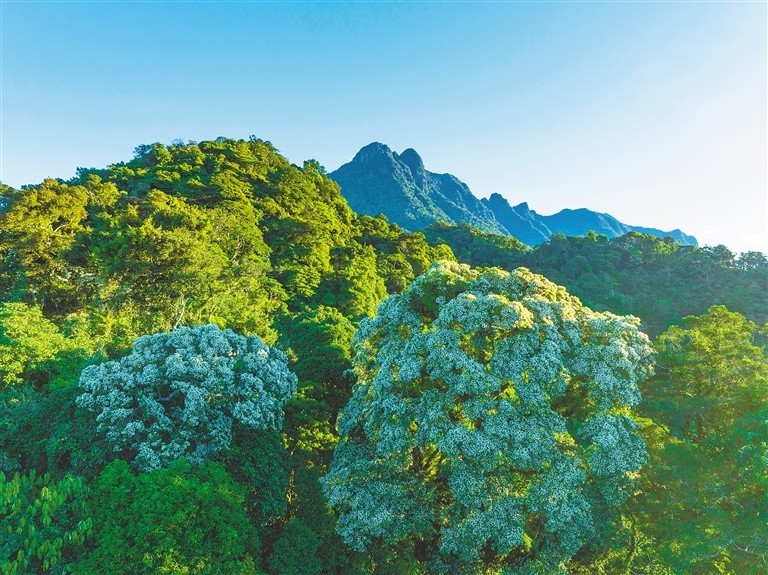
{"points": [[522, 208], [379, 180], [412, 159], [372, 151]]}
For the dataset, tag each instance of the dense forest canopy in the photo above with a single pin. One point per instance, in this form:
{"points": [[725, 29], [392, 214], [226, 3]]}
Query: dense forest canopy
{"points": [[657, 280], [210, 364]]}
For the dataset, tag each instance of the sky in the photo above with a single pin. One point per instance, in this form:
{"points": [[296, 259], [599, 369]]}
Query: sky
{"points": [[654, 112]]}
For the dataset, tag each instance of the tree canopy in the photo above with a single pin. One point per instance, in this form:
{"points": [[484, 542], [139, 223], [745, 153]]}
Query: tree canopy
{"points": [[153, 314], [657, 280], [177, 394], [491, 424], [710, 472]]}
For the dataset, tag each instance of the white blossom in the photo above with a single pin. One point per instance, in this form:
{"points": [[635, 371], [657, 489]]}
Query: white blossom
{"points": [[177, 394], [487, 403]]}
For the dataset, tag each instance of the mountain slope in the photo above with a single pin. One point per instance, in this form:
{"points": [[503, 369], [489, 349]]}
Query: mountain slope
{"points": [[380, 181], [519, 221]]}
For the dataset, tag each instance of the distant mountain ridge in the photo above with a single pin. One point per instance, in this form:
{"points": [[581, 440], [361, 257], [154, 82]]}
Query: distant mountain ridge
{"points": [[381, 181]]}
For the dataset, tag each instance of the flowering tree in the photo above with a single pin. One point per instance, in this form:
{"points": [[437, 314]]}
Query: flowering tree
{"points": [[490, 429], [177, 394]]}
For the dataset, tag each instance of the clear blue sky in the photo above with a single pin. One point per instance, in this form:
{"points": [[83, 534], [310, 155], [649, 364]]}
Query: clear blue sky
{"points": [[652, 112]]}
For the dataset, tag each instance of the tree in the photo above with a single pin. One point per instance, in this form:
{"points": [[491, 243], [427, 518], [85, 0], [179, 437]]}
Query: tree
{"points": [[42, 522], [37, 230], [659, 281], [182, 519], [27, 341], [490, 429], [35, 354], [295, 552], [258, 461], [709, 476], [177, 394]]}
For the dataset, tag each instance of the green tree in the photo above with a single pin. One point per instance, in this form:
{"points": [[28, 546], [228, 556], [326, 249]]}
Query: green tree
{"points": [[709, 477], [295, 552], [181, 520], [490, 429], [27, 341], [45, 431], [43, 522], [356, 288], [258, 461], [659, 281], [38, 230]]}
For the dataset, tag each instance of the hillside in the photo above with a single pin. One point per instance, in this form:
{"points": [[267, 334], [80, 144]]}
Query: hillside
{"points": [[659, 281], [209, 363]]}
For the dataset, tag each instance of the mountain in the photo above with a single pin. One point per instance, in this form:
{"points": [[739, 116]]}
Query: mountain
{"points": [[519, 221], [381, 181]]}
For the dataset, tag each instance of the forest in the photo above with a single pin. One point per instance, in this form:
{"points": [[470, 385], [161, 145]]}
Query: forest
{"points": [[209, 364]]}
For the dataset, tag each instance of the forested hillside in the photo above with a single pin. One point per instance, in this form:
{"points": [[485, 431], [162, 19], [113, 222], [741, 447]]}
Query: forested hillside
{"points": [[659, 281], [209, 364]]}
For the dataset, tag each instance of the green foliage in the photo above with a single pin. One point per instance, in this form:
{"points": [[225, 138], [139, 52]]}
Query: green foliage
{"points": [[473, 246], [355, 288], [321, 341], [709, 477], [225, 232], [46, 431], [659, 281], [36, 354], [42, 522], [27, 342], [258, 461], [713, 369], [180, 520], [400, 256], [491, 426], [295, 552], [38, 234], [229, 233]]}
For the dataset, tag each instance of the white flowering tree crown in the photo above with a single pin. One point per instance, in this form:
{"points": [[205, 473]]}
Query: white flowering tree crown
{"points": [[491, 424], [178, 394]]}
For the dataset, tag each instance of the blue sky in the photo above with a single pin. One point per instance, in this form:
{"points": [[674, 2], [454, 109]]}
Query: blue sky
{"points": [[654, 112]]}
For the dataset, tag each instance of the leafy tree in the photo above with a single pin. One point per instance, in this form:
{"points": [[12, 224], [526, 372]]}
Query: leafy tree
{"points": [[312, 512], [659, 281], [180, 520], [401, 256], [709, 477], [710, 371], [258, 461], [27, 341], [472, 245], [183, 263], [45, 431], [177, 394], [321, 341], [42, 522], [355, 288], [295, 552], [36, 354], [38, 230], [490, 429]]}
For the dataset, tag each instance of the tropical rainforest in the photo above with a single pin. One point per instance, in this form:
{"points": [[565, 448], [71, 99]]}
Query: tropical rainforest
{"points": [[209, 364]]}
